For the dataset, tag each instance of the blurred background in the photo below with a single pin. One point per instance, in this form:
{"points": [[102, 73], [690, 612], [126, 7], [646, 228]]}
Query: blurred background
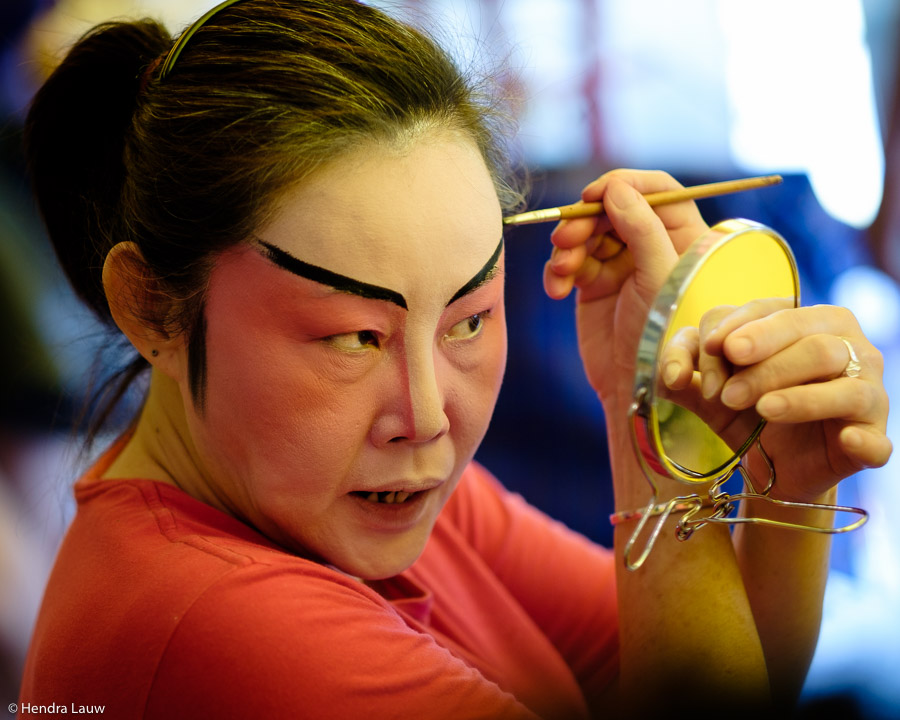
{"points": [[705, 89]]}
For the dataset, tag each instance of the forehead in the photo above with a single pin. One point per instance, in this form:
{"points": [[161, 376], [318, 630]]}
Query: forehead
{"points": [[428, 214]]}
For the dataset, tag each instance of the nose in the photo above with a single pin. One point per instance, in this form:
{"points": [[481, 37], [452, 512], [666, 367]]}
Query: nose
{"points": [[413, 407]]}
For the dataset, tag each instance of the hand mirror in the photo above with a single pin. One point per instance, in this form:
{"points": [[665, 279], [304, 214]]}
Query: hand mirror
{"points": [[678, 434]]}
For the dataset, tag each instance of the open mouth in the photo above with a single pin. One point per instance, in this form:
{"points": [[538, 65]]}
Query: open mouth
{"points": [[388, 497]]}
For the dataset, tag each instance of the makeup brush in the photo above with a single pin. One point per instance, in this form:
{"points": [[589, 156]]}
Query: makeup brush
{"points": [[566, 212]]}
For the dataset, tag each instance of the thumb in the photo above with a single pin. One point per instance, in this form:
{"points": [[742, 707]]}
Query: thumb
{"points": [[643, 233]]}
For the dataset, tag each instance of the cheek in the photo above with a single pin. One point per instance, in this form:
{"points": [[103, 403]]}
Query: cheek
{"points": [[271, 409], [474, 394], [493, 365]]}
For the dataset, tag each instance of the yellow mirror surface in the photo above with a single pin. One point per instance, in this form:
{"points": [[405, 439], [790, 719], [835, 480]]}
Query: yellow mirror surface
{"points": [[747, 266]]}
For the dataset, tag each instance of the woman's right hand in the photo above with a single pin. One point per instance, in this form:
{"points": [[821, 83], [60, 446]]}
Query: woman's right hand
{"points": [[618, 261]]}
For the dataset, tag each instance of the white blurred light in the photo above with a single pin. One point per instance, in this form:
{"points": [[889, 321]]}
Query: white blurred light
{"points": [[874, 298], [662, 102], [800, 85], [552, 61]]}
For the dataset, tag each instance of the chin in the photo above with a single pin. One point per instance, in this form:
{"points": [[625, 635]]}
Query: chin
{"points": [[379, 568], [363, 553], [374, 560]]}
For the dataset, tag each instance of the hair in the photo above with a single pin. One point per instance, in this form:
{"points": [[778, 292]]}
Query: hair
{"points": [[187, 166]]}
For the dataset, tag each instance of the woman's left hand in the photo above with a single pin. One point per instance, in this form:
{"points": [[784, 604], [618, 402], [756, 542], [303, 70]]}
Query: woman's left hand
{"points": [[826, 419]]}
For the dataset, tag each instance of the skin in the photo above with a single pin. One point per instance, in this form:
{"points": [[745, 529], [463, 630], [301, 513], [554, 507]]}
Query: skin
{"points": [[305, 413], [335, 372], [739, 617]]}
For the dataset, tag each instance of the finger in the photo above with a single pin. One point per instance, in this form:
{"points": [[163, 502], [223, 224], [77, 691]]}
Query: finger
{"points": [[678, 358], [581, 265], [867, 446], [643, 233], [714, 368], [644, 181], [763, 337], [682, 219], [608, 246], [732, 427], [754, 310], [600, 279], [557, 286], [568, 261], [809, 360], [848, 399], [577, 231]]}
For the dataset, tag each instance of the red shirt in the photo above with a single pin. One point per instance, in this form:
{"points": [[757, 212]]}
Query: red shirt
{"points": [[160, 606]]}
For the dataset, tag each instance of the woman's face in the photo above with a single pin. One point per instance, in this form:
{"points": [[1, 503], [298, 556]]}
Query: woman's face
{"points": [[354, 355]]}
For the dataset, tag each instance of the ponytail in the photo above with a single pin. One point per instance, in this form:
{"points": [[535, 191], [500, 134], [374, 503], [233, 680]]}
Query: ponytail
{"points": [[74, 139]]}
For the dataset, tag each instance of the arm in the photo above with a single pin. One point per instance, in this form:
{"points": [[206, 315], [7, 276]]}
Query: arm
{"points": [[686, 626], [822, 427], [709, 614], [784, 572], [687, 629]]}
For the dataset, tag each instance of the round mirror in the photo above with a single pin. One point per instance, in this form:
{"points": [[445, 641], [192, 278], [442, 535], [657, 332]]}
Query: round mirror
{"points": [[679, 434]]}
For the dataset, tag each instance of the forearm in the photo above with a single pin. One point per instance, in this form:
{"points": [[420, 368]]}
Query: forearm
{"points": [[784, 573], [686, 625]]}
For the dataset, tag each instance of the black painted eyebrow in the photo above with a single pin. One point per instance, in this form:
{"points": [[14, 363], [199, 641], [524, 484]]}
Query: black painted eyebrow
{"points": [[341, 283], [481, 277]]}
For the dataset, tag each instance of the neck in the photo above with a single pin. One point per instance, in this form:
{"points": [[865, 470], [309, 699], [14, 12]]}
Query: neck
{"points": [[161, 447]]}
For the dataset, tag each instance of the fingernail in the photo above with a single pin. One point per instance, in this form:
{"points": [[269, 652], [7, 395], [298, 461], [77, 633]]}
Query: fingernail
{"points": [[771, 406], [671, 373], [740, 347], [710, 385], [735, 393], [560, 256]]}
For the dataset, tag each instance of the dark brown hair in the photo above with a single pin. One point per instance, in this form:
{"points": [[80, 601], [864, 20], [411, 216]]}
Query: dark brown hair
{"points": [[264, 93]]}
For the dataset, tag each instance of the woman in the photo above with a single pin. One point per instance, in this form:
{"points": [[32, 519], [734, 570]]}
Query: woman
{"points": [[297, 224]]}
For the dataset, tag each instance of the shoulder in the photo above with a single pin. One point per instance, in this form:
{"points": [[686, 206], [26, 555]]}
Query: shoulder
{"points": [[267, 641], [498, 522], [150, 580]]}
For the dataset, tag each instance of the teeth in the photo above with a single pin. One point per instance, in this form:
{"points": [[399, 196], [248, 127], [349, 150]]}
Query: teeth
{"points": [[390, 497]]}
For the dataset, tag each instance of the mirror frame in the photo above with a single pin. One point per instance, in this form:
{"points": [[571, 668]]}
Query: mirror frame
{"points": [[644, 418]]}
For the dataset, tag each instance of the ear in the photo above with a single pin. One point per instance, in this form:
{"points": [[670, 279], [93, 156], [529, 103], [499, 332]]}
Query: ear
{"points": [[139, 307]]}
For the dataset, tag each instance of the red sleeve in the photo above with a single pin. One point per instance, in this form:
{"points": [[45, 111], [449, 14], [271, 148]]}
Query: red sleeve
{"points": [[564, 581], [264, 642]]}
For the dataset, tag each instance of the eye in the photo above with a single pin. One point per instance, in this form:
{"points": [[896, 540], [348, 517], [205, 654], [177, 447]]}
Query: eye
{"points": [[355, 341], [468, 328]]}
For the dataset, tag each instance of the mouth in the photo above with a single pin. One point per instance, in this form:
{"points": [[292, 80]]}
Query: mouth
{"points": [[388, 497]]}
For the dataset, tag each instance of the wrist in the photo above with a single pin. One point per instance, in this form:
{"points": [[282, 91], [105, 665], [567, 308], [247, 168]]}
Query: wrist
{"points": [[794, 513]]}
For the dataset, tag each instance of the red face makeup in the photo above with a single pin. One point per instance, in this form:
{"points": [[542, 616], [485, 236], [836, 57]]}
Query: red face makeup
{"points": [[355, 353]]}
